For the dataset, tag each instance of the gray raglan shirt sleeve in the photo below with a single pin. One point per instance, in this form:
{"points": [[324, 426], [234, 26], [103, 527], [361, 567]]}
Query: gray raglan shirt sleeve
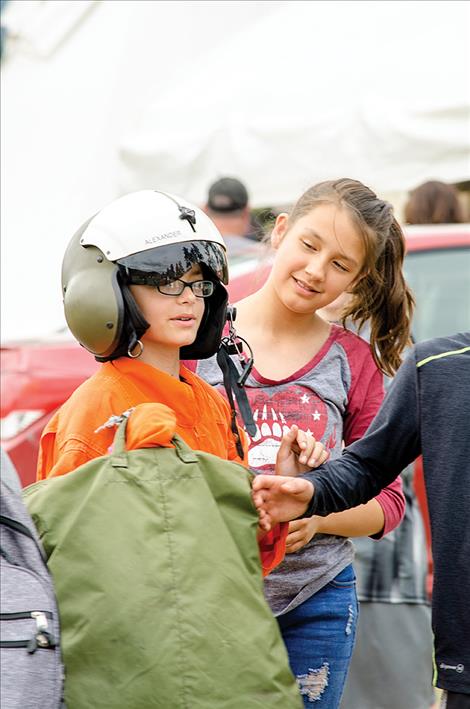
{"points": [[391, 442]]}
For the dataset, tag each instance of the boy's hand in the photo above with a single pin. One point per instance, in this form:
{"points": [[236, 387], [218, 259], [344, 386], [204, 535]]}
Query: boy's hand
{"points": [[299, 452], [301, 531], [282, 498]]}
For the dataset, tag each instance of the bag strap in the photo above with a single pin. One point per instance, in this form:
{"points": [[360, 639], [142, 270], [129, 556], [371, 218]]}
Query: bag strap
{"points": [[119, 454], [183, 451]]}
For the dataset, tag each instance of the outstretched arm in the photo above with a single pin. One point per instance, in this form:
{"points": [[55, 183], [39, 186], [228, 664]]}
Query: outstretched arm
{"points": [[362, 521], [391, 443]]}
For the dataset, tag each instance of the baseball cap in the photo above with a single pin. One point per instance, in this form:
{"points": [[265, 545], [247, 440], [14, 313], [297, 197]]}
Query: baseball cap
{"points": [[227, 195]]}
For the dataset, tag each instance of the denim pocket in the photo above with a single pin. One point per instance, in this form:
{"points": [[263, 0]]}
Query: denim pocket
{"points": [[345, 579]]}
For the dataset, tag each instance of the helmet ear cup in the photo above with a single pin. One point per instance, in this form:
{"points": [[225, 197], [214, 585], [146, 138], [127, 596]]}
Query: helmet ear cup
{"points": [[134, 326], [93, 302]]}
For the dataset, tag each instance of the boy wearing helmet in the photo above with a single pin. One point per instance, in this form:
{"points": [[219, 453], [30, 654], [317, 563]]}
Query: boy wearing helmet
{"points": [[143, 285]]}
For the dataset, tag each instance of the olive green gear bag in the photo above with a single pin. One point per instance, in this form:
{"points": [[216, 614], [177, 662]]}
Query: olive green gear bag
{"points": [[156, 568]]}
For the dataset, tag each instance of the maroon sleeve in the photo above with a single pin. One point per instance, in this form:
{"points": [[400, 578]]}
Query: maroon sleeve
{"points": [[392, 501], [365, 397], [365, 394]]}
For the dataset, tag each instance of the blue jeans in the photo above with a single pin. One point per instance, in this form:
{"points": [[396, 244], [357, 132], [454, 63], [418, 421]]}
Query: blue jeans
{"points": [[319, 636]]}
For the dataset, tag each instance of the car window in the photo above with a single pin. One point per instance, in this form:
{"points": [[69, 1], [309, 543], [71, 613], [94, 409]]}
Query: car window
{"points": [[440, 280]]}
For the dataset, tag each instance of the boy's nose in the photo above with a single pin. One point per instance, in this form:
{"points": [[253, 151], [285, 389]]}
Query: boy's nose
{"points": [[187, 296]]}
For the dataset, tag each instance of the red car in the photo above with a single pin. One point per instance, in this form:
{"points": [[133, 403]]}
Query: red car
{"points": [[37, 377]]}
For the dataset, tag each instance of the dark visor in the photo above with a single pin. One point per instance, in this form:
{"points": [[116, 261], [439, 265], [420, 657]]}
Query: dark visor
{"points": [[174, 260]]}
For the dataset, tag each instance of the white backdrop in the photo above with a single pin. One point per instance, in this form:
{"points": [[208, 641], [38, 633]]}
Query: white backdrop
{"points": [[102, 97], [374, 90], [75, 77]]}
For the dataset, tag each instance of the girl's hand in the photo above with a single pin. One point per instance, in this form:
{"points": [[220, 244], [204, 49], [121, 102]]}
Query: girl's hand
{"points": [[301, 531], [299, 452]]}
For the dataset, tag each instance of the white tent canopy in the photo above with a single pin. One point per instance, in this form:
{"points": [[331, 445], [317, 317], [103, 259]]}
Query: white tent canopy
{"points": [[374, 90], [75, 76], [103, 97]]}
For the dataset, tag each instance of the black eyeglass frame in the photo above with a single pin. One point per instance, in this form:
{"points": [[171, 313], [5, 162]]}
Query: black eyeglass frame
{"points": [[158, 283]]}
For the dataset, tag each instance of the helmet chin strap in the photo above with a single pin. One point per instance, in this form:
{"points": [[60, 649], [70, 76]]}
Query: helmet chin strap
{"points": [[234, 379]]}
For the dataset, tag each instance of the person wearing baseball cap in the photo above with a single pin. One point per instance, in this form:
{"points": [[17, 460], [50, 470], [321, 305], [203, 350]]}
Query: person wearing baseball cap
{"points": [[228, 207], [227, 195]]}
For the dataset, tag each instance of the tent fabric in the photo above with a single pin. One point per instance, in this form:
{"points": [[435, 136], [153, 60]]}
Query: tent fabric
{"points": [[75, 77], [376, 91], [100, 98]]}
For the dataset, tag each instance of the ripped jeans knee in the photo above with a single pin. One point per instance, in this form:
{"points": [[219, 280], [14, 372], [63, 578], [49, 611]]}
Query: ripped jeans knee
{"points": [[313, 684]]}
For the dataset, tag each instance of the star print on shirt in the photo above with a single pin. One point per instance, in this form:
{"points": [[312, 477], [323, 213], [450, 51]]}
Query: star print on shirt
{"points": [[274, 411]]}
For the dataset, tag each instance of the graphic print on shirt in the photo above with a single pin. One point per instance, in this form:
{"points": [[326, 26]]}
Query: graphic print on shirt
{"points": [[275, 413]]}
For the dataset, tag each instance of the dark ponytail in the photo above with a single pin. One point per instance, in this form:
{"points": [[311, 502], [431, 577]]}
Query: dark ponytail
{"points": [[383, 299]]}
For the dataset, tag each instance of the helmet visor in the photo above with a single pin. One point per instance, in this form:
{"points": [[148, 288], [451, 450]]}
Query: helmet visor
{"points": [[174, 260]]}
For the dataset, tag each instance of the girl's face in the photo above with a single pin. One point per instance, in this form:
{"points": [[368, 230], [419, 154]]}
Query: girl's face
{"points": [[174, 320], [319, 257]]}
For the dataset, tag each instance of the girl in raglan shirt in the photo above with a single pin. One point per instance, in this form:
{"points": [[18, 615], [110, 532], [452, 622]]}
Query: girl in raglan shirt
{"points": [[339, 237]]}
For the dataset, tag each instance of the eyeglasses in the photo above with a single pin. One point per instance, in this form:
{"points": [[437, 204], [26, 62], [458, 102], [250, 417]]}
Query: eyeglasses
{"points": [[201, 289]]}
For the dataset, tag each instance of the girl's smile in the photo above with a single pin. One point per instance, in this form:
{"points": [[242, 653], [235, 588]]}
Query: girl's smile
{"points": [[304, 287]]}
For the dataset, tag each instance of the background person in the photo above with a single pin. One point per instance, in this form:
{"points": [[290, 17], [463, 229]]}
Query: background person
{"points": [[391, 589], [433, 202], [31, 666], [228, 207]]}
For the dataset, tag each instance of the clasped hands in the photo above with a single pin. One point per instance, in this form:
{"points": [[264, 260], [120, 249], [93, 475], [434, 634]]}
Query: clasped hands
{"points": [[283, 497]]}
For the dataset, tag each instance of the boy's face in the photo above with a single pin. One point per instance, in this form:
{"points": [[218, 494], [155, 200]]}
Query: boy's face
{"points": [[174, 320]]}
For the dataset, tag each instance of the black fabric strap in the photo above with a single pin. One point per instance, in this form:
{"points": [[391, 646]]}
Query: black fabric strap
{"points": [[232, 377], [223, 362]]}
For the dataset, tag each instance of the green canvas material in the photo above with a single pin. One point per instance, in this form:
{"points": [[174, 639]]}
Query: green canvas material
{"points": [[156, 568]]}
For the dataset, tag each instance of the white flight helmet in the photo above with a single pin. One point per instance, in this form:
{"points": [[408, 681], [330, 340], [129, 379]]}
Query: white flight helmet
{"points": [[151, 236]]}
